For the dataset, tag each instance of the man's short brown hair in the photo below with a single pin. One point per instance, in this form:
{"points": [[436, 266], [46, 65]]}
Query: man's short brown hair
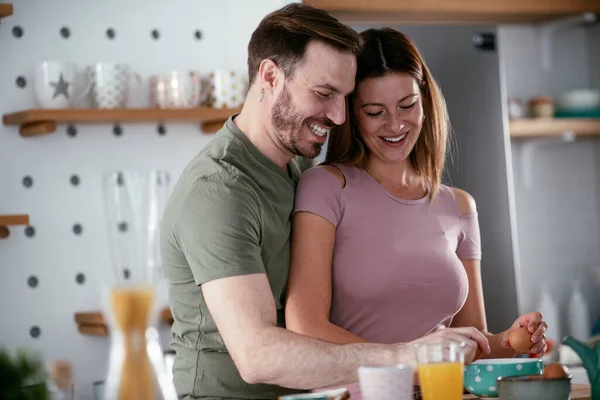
{"points": [[282, 36]]}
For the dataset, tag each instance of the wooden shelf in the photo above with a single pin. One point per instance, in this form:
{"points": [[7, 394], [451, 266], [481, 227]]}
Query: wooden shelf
{"points": [[8, 220], [6, 9], [93, 323], [546, 127], [38, 122], [463, 12]]}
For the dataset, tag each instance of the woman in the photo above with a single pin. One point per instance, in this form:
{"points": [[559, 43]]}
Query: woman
{"points": [[381, 250]]}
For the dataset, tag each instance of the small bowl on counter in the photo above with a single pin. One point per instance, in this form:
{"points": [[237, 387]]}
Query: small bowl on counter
{"points": [[480, 377], [534, 387]]}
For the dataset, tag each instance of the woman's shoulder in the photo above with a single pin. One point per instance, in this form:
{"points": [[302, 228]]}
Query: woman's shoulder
{"points": [[325, 173], [461, 198]]}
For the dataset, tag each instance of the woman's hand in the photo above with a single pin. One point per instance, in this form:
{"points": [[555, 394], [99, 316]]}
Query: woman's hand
{"points": [[536, 326]]}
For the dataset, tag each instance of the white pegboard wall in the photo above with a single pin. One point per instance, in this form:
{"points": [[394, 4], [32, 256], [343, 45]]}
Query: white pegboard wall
{"points": [[46, 277]]}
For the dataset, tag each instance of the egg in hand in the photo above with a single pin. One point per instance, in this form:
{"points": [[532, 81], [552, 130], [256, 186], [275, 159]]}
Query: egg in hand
{"points": [[520, 340]]}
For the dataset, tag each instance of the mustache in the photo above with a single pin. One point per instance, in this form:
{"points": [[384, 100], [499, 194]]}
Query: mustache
{"points": [[325, 122]]}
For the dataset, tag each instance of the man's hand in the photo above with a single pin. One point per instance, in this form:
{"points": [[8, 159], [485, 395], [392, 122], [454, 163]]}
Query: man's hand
{"points": [[474, 341]]}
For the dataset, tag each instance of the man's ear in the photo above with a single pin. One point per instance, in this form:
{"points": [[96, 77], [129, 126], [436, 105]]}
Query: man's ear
{"points": [[269, 75]]}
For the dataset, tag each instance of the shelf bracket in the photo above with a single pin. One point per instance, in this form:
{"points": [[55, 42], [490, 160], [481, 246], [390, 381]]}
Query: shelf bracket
{"points": [[8, 220], [37, 128], [547, 31], [531, 147], [211, 127]]}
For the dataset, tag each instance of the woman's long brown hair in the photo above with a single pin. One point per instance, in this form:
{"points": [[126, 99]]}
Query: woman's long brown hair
{"points": [[387, 51]]}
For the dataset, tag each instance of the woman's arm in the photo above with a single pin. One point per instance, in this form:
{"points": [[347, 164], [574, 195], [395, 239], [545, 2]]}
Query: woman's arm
{"points": [[473, 312], [309, 285]]}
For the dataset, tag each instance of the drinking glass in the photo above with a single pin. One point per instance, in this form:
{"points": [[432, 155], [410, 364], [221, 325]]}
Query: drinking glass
{"points": [[440, 370]]}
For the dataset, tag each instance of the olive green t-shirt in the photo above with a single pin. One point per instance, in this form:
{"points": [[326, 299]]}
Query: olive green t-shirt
{"points": [[229, 214]]}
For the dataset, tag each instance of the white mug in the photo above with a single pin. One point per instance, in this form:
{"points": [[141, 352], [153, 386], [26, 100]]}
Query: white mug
{"points": [[394, 382], [55, 84], [112, 84]]}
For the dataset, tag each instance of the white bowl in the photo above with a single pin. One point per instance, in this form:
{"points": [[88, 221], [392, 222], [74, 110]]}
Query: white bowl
{"points": [[579, 99]]}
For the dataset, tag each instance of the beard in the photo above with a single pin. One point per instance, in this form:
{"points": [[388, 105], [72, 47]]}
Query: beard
{"points": [[288, 125]]}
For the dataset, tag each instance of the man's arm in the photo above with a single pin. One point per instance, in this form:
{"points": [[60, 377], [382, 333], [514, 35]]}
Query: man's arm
{"points": [[244, 312]]}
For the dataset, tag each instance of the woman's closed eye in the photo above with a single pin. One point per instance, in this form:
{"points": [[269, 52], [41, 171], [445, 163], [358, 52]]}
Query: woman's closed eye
{"points": [[408, 107], [380, 112]]}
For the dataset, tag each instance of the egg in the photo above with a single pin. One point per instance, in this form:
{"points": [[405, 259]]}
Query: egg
{"points": [[555, 371], [520, 340]]}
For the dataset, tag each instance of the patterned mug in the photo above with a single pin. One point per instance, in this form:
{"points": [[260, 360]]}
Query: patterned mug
{"points": [[112, 84], [227, 88]]}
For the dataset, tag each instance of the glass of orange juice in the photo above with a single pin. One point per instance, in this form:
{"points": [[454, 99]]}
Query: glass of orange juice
{"points": [[440, 370]]}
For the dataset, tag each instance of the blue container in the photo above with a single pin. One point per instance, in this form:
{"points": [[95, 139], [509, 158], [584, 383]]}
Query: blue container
{"points": [[480, 376]]}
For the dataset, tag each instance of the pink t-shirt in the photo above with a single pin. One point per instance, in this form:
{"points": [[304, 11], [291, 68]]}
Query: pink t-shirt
{"points": [[397, 271]]}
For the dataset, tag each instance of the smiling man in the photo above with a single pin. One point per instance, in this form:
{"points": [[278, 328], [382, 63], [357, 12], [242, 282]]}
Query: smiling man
{"points": [[226, 228]]}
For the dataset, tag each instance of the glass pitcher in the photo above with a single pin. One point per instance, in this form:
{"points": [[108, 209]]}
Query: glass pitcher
{"points": [[136, 293]]}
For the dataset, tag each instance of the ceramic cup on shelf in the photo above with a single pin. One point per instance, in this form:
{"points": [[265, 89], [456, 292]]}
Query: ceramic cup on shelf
{"points": [[541, 107], [178, 89], [228, 88], [59, 84], [112, 84]]}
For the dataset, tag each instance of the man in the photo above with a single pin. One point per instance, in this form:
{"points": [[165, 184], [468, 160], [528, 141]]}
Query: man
{"points": [[225, 230]]}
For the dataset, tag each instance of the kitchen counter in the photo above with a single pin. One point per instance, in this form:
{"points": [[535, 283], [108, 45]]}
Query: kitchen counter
{"points": [[578, 392]]}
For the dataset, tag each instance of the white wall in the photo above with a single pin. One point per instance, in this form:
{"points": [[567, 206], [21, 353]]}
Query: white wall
{"points": [[558, 206], [522, 49], [55, 255], [593, 41]]}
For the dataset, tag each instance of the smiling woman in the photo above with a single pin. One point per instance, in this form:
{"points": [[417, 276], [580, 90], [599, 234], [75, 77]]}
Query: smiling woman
{"points": [[397, 100], [391, 116], [382, 251]]}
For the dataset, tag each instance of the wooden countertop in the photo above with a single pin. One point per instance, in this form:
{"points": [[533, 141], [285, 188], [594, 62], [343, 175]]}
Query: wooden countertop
{"points": [[578, 392]]}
